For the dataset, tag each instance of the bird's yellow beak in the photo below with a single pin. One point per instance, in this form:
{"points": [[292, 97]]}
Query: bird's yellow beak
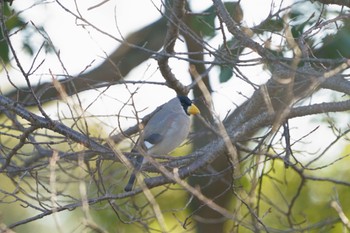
{"points": [[193, 110]]}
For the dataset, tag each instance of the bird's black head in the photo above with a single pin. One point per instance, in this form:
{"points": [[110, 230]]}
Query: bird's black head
{"points": [[185, 102]]}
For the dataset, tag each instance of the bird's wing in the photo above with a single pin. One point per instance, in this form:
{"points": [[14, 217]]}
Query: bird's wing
{"points": [[153, 139], [166, 132]]}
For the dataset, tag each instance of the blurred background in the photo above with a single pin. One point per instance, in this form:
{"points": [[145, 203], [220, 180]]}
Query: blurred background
{"points": [[116, 82]]}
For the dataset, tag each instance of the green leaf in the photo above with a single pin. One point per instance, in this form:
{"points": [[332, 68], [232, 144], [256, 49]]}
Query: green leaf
{"points": [[28, 48], [298, 30], [4, 50], [225, 73], [273, 25], [204, 23], [12, 22], [336, 45], [235, 11]]}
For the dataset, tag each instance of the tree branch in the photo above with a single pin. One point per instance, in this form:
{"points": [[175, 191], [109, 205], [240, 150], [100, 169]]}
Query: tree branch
{"points": [[336, 2], [204, 156], [172, 34], [55, 126]]}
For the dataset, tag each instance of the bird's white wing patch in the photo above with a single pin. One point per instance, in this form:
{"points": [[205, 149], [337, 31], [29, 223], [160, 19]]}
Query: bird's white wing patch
{"points": [[148, 145], [152, 140]]}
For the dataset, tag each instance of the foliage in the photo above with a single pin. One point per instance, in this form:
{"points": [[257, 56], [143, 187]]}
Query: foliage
{"points": [[14, 24]]}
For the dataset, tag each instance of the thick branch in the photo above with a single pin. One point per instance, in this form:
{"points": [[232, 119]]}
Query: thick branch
{"points": [[204, 156], [137, 47], [176, 14], [239, 35], [336, 2]]}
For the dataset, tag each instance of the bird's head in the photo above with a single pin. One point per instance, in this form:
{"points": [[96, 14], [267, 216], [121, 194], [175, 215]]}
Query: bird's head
{"points": [[188, 106]]}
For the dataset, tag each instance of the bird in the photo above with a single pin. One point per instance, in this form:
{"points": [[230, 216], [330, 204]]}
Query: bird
{"points": [[165, 131]]}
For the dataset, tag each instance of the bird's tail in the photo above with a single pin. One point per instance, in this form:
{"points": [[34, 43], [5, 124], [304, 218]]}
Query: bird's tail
{"points": [[130, 183], [137, 167]]}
